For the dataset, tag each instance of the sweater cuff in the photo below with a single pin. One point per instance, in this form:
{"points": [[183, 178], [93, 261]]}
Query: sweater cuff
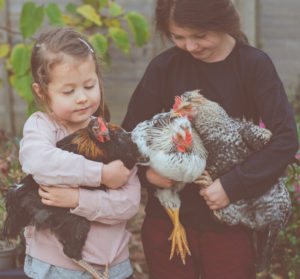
{"points": [[92, 173], [86, 202], [233, 186]]}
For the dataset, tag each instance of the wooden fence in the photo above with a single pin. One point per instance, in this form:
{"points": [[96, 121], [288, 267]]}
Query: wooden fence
{"points": [[272, 24]]}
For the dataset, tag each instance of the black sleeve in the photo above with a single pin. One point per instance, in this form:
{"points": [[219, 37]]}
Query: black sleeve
{"points": [[147, 99], [261, 170], [145, 102]]}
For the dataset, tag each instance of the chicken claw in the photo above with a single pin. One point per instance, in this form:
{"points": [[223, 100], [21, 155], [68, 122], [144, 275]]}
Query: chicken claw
{"points": [[204, 180], [178, 236]]}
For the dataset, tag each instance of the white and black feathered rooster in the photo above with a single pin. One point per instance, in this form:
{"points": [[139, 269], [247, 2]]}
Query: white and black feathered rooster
{"points": [[99, 141], [176, 152], [228, 143]]}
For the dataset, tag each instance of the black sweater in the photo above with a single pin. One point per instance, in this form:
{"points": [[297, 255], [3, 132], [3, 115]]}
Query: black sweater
{"points": [[246, 85]]}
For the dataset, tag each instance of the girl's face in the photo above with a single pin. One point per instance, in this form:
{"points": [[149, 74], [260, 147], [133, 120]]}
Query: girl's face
{"points": [[207, 46], [74, 92]]}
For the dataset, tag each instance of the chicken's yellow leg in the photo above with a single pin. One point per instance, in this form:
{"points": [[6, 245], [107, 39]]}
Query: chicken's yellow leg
{"points": [[178, 236]]}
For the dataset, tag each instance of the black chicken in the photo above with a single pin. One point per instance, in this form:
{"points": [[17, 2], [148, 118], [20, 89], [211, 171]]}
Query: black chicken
{"points": [[99, 141]]}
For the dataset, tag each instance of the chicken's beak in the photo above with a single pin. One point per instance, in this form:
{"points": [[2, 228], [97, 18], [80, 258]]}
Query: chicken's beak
{"points": [[174, 115]]}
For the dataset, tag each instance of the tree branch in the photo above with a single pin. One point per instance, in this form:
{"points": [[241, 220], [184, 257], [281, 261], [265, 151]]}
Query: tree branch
{"points": [[5, 28]]}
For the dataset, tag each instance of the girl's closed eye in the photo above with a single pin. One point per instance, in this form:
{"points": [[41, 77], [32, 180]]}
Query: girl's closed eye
{"points": [[89, 86], [68, 92], [200, 36], [177, 37]]}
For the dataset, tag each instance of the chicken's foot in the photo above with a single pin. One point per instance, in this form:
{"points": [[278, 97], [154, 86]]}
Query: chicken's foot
{"points": [[204, 180], [178, 236]]}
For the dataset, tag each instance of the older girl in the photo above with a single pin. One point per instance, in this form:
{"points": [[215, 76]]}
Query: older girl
{"points": [[211, 52]]}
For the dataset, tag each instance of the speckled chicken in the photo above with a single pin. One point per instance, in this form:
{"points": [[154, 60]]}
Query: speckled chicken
{"points": [[228, 143], [176, 152], [100, 141]]}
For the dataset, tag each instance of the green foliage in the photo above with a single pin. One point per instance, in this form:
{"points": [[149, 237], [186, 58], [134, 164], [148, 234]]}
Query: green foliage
{"points": [[138, 25], [10, 169], [105, 22], [54, 14], [31, 19], [286, 258], [121, 38], [4, 50], [1, 4]]}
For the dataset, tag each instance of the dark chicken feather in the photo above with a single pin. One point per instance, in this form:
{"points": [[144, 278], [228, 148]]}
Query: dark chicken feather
{"points": [[23, 203]]}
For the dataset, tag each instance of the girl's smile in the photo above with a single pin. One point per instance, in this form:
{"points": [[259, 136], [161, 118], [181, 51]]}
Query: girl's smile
{"points": [[207, 46]]}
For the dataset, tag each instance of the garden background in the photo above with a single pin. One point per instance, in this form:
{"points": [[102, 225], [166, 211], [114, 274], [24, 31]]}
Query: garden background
{"points": [[272, 25]]}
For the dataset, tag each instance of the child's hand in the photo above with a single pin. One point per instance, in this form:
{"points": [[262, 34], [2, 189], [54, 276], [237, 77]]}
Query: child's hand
{"points": [[58, 196], [158, 180], [114, 174], [215, 196]]}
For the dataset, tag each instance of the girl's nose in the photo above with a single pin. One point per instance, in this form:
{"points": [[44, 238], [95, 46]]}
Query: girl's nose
{"points": [[81, 98], [190, 45]]}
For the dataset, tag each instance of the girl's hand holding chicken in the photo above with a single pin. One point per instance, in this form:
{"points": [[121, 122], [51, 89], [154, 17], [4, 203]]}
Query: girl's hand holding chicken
{"points": [[212, 191], [158, 180], [114, 176], [58, 196], [215, 196]]}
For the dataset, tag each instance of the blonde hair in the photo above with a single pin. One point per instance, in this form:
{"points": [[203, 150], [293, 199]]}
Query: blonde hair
{"points": [[48, 51]]}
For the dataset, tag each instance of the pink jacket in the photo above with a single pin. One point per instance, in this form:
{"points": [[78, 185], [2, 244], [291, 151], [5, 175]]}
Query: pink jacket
{"points": [[108, 211]]}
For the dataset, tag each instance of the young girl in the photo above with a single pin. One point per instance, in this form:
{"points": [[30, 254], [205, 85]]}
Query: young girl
{"points": [[211, 53], [67, 87]]}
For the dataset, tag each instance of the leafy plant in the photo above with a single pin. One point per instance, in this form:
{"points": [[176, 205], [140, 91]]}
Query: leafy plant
{"points": [[10, 169], [104, 21], [286, 259]]}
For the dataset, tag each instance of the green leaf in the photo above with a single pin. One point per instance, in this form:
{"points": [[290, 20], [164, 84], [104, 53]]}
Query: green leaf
{"points": [[1, 83], [121, 39], [4, 50], [54, 14], [102, 4], [89, 12], [112, 22], [31, 19], [115, 9], [138, 27], [20, 59], [94, 3], [2, 4], [72, 8], [100, 44], [23, 86]]}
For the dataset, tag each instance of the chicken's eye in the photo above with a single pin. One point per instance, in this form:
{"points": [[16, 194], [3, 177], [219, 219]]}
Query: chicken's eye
{"points": [[95, 130]]}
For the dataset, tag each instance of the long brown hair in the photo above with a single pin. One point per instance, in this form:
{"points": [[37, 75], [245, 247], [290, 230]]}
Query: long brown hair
{"points": [[205, 15], [48, 51]]}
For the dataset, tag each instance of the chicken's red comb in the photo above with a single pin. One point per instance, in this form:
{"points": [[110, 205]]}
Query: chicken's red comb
{"points": [[178, 101], [188, 137], [102, 126]]}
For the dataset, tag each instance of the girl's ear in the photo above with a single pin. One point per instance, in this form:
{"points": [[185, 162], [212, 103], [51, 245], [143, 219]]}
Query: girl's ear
{"points": [[37, 89]]}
